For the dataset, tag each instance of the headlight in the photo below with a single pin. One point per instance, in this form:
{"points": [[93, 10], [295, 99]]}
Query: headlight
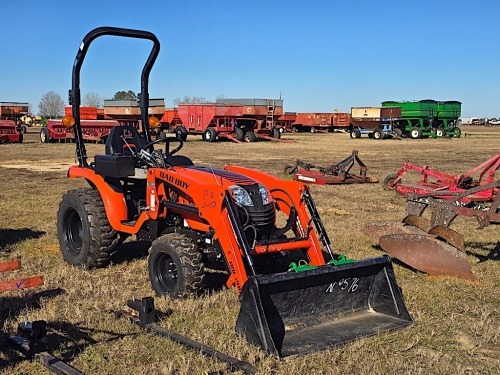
{"points": [[241, 196], [264, 193]]}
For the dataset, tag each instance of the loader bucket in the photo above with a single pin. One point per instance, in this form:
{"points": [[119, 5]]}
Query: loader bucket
{"points": [[292, 313], [428, 254]]}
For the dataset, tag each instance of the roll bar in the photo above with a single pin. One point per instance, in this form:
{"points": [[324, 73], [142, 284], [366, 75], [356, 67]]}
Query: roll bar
{"points": [[74, 93]]}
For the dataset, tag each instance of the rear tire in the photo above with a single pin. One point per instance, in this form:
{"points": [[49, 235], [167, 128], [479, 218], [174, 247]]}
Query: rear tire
{"points": [[210, 135], [398, 132], [175, 266], [85, 236], [239, 134], [250, 137]]}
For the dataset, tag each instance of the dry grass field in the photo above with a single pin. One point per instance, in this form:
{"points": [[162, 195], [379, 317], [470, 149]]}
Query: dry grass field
{"points": [[456, 329]]}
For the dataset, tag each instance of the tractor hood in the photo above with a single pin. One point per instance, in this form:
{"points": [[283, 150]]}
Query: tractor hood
{"points": [[222, 177]]}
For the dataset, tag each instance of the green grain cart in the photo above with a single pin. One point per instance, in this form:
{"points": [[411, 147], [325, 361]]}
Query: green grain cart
{"points": [[428, 118]]}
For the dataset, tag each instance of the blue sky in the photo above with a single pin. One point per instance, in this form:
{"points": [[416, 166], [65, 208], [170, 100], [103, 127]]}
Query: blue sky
{"points": [[319, 55]]}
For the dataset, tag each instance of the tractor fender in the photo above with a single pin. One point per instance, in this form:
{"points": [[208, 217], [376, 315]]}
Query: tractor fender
{"points": [[114, 201]]}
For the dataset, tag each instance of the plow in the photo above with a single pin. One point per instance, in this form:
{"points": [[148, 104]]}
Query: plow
{"points": [[430, 245], [432, 180], [339, 173]]}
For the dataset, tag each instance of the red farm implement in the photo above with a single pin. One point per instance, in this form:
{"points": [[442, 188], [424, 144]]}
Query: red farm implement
{"points": [[321, 122], [10, 132], [18, 283], [218, 120], [433, 181], [431, 246], [339, 173], [93, 131]]}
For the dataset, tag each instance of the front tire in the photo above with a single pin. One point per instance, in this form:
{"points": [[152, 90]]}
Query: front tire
{"points": [[378, 134], [85, 236], [355, 133], [175, 266]]}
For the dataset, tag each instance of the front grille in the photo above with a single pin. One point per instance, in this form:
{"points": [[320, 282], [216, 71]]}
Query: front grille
{"points": [[262, 218]]}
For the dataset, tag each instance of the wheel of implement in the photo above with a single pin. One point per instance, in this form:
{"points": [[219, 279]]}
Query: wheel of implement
{"points": [[85, 235], [458, 133], [416, 133], [250, 137], [276, 133], [44, 135], [210, 135], [21, 138], [378, 134], [398, 132], [355, 133], [388, 183], [239, 134], [181, 132], [290, 169], [440, 132], [175, 266]]}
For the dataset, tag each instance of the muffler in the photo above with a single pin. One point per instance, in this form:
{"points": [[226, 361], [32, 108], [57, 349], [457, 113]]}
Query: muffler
{"points": [[293, 313]]}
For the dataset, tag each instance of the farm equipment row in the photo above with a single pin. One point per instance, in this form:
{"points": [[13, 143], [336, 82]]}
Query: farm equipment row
{"points": [[339, 173], [411, 119], [92, 131]]}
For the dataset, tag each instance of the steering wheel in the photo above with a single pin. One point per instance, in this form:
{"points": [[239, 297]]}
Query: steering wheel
{"points": [[167, 141], [156, 158]]}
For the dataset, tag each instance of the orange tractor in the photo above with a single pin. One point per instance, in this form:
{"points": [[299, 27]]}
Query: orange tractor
{"points": [[297, 295]]}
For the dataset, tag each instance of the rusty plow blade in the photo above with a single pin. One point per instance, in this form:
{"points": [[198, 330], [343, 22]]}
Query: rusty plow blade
{"points": [[377, 230], [298, 312], [428, 254]]}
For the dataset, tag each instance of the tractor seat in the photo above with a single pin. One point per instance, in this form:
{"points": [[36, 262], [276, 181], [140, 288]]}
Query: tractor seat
{"points": [[124, 140]]}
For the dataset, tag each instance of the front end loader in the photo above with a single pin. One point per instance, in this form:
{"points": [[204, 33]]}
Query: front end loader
{"points": [[297, 295]]}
